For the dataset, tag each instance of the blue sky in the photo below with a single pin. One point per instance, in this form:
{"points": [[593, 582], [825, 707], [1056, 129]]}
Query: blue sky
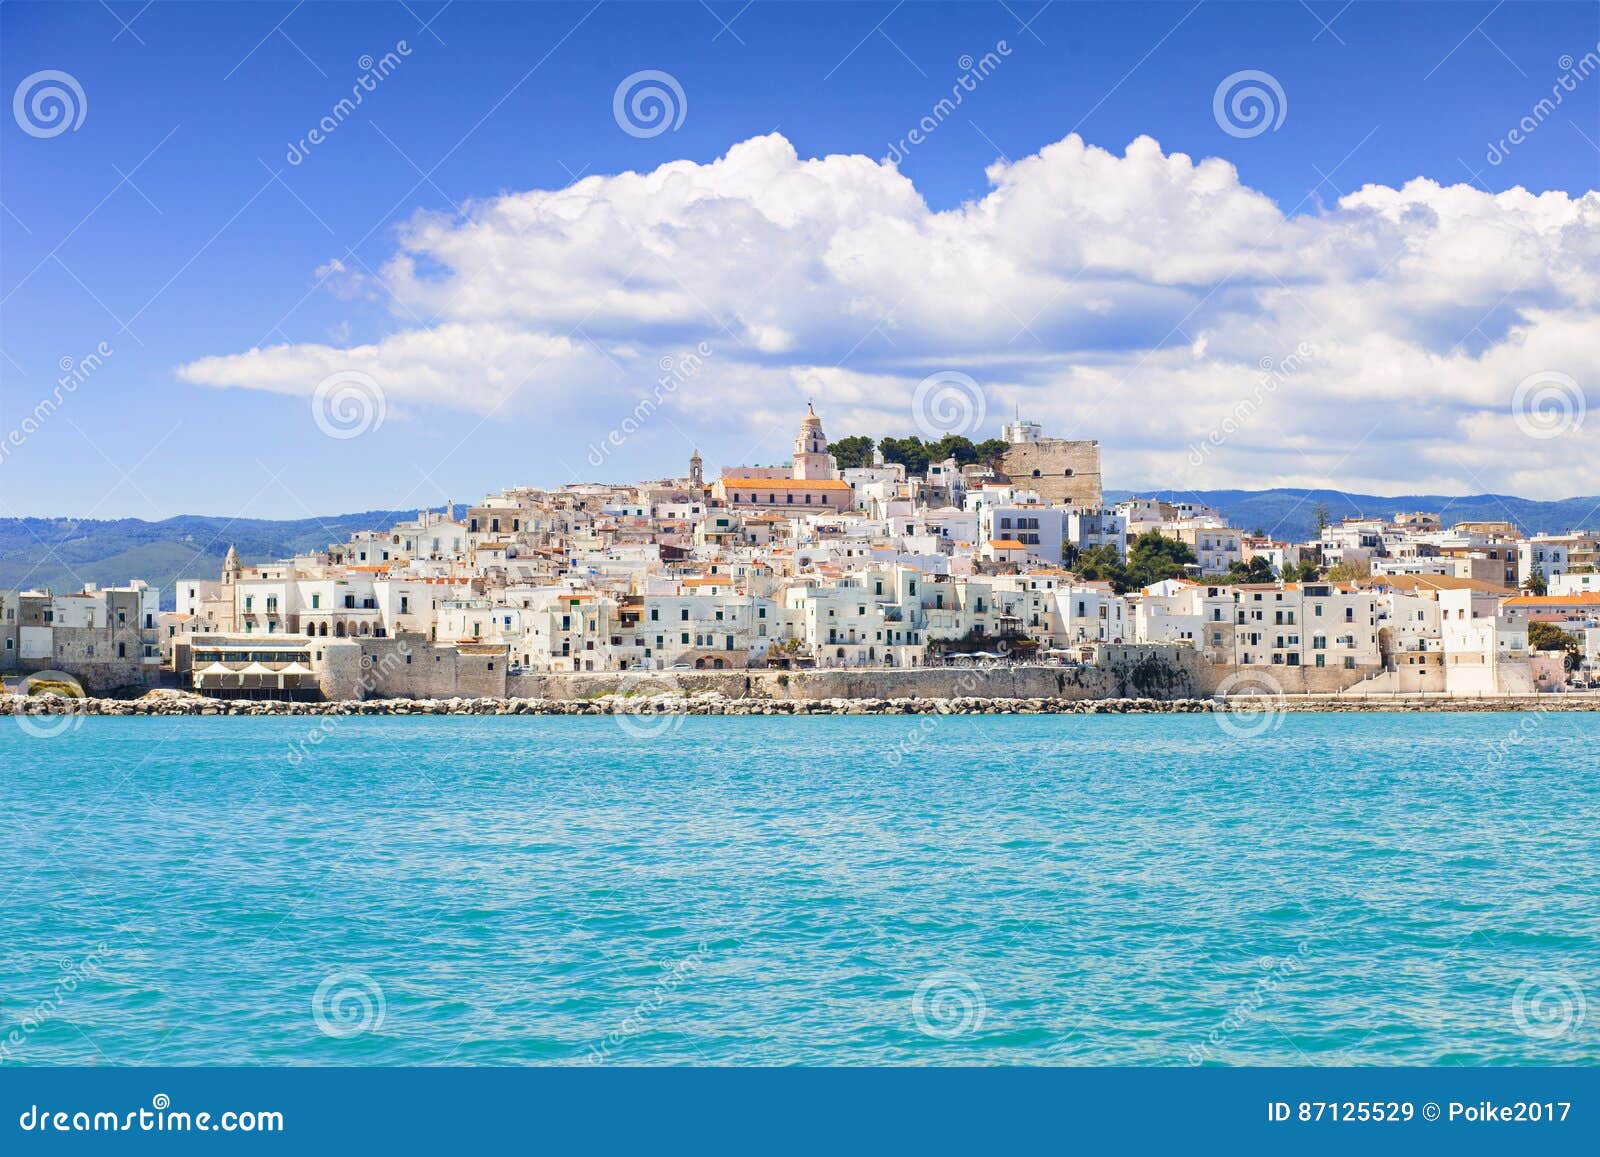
{"points": [[171, 226]]}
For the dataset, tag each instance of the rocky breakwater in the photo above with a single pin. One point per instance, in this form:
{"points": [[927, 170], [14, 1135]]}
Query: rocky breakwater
{"points": [[700, 703], [716, 703]]}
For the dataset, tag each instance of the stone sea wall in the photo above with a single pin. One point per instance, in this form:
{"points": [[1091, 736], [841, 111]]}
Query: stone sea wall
{"points": [[1154, 672]]}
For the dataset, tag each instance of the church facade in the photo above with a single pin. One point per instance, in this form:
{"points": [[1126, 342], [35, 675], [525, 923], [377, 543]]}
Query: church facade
{"points": [[811, 484]]}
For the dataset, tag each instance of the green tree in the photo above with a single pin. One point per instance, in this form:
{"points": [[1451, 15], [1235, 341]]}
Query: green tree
{"points": [[1535, 584], [1257, 570], [953, 446], [1322, 518], [1305, 572], [1348, 572], [1549, 637], [1101, 564], [909, 452], [1154, 557], [853, 452], [1544, 636], [991, 450]]}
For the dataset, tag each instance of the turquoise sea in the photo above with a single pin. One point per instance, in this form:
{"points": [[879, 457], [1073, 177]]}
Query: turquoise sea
{"points": [[1107, 890]]}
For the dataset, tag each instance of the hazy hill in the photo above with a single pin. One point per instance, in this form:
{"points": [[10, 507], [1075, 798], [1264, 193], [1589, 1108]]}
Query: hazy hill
{"points": [[1291, 514], [64, 553]]}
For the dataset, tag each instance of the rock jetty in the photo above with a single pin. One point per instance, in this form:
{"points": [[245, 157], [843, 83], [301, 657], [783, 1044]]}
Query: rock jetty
{"points": [[715, 703]]}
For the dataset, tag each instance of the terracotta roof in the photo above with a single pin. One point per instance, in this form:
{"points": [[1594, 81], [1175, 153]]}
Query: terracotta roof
{"points": [[1433, 582], [1006, 544], [1554, 600], [783, 484]]}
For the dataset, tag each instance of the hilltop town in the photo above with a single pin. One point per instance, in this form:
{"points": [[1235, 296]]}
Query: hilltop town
{"points": [[1009, 560]]}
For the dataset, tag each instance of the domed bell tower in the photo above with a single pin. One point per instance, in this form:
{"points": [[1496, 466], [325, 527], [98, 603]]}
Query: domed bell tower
{"points": [[811, 457]]}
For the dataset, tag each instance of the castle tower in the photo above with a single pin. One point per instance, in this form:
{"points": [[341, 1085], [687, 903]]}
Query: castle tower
{"points": [[811, 457], [697, 474], [231, 570]]}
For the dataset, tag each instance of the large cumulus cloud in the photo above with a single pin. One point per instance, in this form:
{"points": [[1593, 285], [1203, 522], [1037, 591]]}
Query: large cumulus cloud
{"points": [[1146, 299]]}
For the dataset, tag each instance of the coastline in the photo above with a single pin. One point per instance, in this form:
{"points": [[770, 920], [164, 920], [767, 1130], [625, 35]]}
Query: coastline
{"points": [[714, 703]]}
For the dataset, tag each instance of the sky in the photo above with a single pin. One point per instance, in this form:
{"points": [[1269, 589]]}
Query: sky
{"points": [[1320, 244]]}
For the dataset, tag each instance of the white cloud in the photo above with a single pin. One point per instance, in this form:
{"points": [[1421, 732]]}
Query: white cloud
{"points": [[1131, 298]]}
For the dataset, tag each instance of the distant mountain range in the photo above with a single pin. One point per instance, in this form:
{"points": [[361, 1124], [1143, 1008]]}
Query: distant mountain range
{"points": [[64, 553], [1292, 514]]}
